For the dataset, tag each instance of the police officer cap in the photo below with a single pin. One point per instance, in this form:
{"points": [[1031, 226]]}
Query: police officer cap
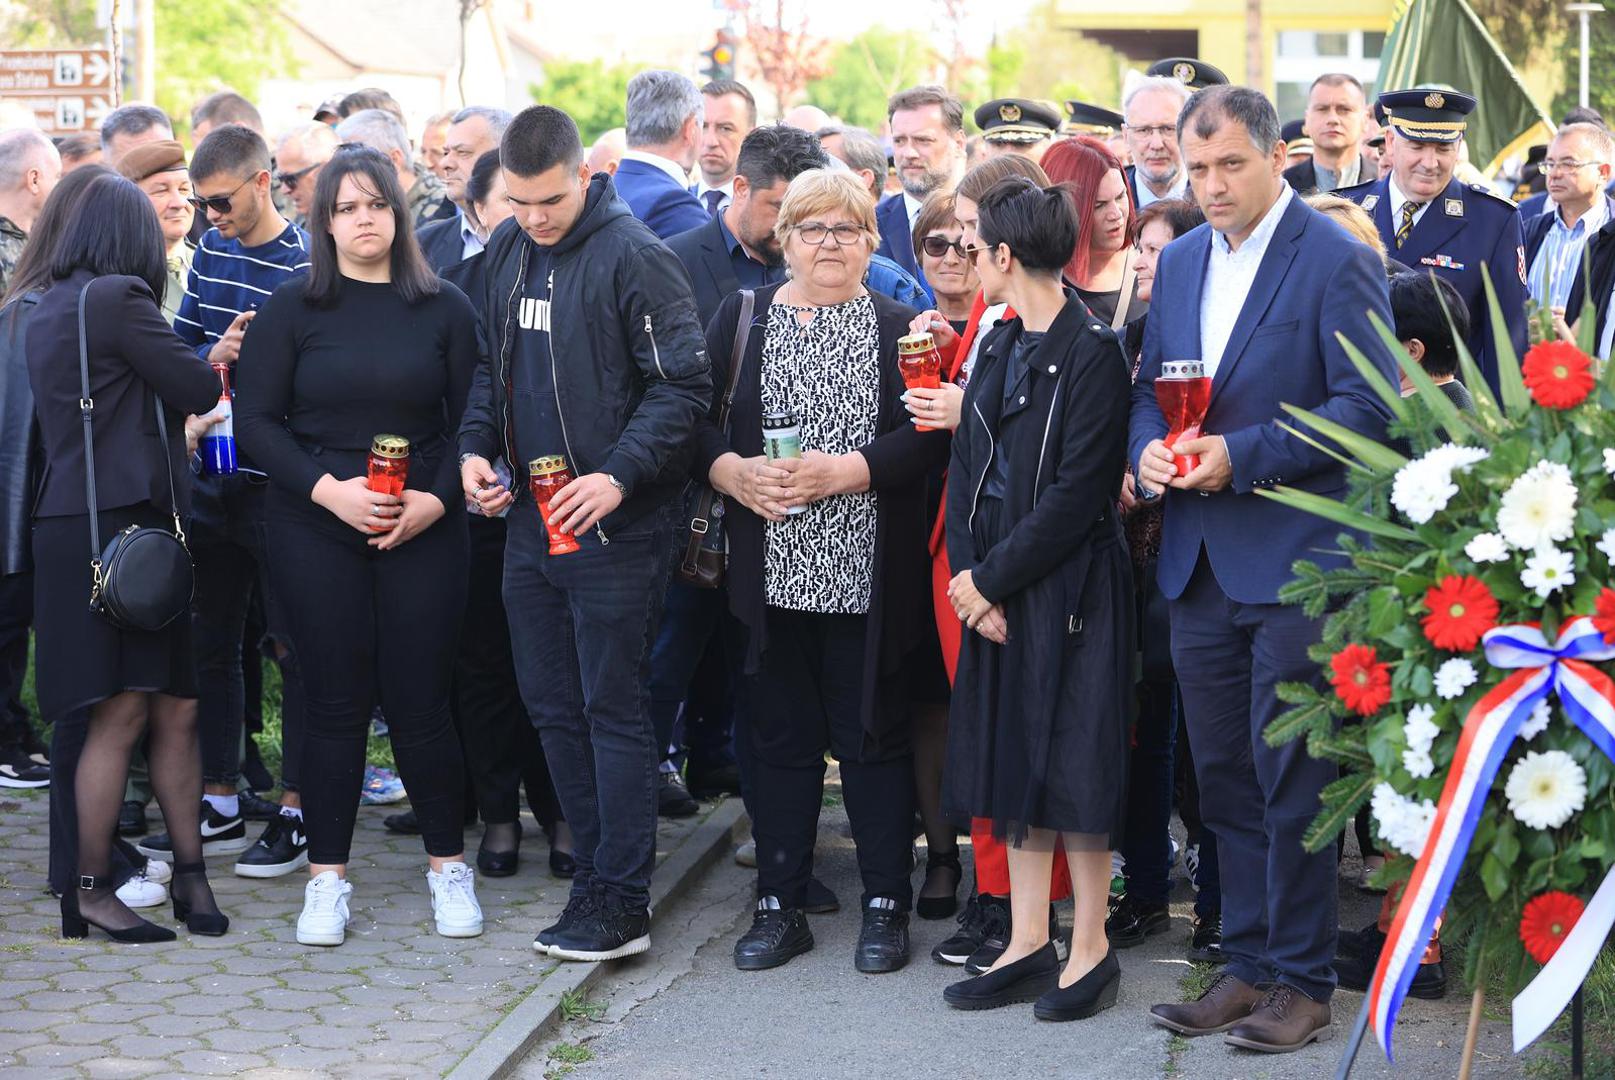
{"points": [[1189, 71], [1017, 120], [1085, 119], [1428, 114]]}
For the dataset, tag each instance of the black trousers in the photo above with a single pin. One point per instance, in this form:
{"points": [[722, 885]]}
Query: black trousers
{"points": [[502, 748], [805, 700], [16, 615], [373, 626]]}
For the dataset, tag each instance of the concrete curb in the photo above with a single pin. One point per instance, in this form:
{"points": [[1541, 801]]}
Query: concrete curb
{"points": [[525, 1025]]}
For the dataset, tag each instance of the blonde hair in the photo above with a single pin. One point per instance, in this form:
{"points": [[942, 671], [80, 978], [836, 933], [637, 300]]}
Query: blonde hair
{"points": [[819, 191], [1351, 217]]}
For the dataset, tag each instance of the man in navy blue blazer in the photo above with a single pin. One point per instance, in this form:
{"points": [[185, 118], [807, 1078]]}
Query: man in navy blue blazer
{"points": [[1257, 295], [928, 145], [664, 131]]}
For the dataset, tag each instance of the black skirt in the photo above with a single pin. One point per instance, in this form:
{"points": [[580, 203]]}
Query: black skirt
{"points": [[79, 657]]}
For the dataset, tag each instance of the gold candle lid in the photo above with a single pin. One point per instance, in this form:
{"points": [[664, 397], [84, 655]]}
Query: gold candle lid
{"points": [[547, 465], [915, 343], [390, 446]]}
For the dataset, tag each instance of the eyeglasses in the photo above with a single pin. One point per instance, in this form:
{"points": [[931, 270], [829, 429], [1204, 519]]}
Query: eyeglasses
{"points": [[1546, 167], [1165, 131], [219, 204], [815, 234], [937, 247], [290, 180]]}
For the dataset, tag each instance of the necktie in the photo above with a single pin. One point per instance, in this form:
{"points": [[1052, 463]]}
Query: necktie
{"points": [[713, 198], [1409, 208]]}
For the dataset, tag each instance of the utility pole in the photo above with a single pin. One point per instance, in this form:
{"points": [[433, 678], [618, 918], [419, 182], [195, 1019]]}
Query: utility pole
{"points": [[146, 50], [1585, 11]]}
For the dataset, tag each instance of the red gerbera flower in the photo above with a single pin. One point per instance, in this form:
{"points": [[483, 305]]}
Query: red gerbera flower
{"points": [[1558, 374], [1461, 610], [1604, 614], [1546, 922], [1360, 680]]}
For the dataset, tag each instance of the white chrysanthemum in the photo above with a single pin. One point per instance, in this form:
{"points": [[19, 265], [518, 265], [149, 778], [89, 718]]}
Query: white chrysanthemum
{"points": [[1538, 721], [1454, 677], [1420, 729], [1545, 789], [1424, 486], [1403, 823], [1609, 462], [1539, 507], [1487, 547], [1418, 762], [1453, 457], [1549, 570], [1606, 544]]}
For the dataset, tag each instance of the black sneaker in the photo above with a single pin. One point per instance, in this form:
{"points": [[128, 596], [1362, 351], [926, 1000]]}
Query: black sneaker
{"points": [[883, 939], [967, 939], [993, 935], [254, 807], [997, 940], [578, 906], [1205, 943], [776, 935], [18, 770], [1131, 921], [220, 836], [611, 930], [132, 819], [673, 799], [281, 849]]}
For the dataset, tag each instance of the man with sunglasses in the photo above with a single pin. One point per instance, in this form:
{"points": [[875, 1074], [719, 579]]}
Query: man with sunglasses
{"points": [[298, 158]]}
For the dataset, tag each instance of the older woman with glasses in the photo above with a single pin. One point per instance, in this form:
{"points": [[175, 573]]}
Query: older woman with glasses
{"points": [[827, 568]]}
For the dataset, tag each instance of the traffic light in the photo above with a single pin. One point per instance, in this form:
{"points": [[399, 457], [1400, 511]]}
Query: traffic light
{"points": [[720, 57]]}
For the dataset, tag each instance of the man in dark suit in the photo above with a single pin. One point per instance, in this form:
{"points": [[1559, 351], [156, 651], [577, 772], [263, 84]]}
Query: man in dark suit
{"points": [[1578, 169], [1337, 112], [1150, 123], [664, 130], [442, 243], [928, 146], [1429, 219], [1258, 295]]}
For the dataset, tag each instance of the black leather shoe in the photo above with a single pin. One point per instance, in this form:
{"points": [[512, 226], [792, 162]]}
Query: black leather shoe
{"points": [[673, 799], [1205, 943], [714, 782], [132, 819], [1130, 922], [405, 823], [1356, 972], [562, 864], [777, 934], [883, 941], [1027, 979], [1094, 992], [817, 899], [498, 863], [1365, 942], [941, 907]]}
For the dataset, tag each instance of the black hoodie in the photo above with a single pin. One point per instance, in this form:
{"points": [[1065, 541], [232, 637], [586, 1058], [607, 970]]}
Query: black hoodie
{"points": [[626, 352]]}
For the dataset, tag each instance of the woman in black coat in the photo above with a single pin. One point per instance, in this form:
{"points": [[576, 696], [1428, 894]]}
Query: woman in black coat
{"points": [[1043, 695], [828, 574], [124, 681]]}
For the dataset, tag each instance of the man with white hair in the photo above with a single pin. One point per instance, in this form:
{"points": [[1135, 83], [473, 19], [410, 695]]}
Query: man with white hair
{"points": [[1150, 123], [665, 111], [29, 169], [379, 129], [299, 156]]}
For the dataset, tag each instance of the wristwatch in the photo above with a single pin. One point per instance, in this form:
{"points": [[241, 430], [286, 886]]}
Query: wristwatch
{"points": [[618, 484]]}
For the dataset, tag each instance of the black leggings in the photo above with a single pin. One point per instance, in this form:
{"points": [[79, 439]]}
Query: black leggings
{"points": [[373, 625]]}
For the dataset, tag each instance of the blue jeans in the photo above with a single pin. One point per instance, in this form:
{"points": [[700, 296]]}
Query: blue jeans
{"points": [[581, 628]]}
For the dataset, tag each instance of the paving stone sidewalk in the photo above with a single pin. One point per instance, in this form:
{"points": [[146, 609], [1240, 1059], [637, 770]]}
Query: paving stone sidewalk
{"points": [[395, 1000]]}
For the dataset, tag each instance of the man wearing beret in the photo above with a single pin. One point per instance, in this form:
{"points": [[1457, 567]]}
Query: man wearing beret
{"points": [[158, 169], [1017, 126]]}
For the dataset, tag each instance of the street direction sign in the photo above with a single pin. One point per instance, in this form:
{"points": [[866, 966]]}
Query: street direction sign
{"points": [[68, 89]]}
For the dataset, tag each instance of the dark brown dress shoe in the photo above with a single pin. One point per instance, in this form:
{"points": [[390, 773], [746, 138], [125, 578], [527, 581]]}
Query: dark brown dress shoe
{"points": [[1226, 1002], [1284, 1020]]}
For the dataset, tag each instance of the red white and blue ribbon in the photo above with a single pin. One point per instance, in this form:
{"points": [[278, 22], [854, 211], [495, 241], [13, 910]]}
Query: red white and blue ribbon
{"points": [[1587, 696]]}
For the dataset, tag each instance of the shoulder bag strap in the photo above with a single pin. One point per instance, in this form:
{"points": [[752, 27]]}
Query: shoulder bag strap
{"points": [[748, 304], [86, 408], [1124, 299]]}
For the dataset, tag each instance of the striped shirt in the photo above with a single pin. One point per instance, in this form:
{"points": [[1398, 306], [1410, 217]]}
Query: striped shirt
{"points": [[1559, 258], [227, 279]]}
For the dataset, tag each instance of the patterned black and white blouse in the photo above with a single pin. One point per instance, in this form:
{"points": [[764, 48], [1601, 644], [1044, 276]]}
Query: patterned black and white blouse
{"points": [[828, 373]]}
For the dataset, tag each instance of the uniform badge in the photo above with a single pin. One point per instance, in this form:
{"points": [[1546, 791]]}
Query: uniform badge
{"points": [[1520, 251], [1370, 202], [1435, 101], [1455, 207], [1183, 72], [1009, 114]]}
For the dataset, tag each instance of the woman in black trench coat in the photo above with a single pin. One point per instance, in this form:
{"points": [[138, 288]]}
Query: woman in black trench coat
{"points": [[1042, 701]]}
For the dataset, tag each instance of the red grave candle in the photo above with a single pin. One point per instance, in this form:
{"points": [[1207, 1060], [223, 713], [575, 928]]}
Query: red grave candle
{"points": [[1183, 390], [920, 364], [388, 467], [546, 476]]}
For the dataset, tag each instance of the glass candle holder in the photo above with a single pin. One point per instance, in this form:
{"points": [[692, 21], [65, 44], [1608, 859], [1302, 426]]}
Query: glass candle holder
{"points": [[920, 364], [388, 467], [546, 476], [1183, 390]]}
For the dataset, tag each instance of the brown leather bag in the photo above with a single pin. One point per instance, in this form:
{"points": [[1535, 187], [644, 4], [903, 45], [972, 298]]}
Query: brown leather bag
{"points": [[706, 552]]}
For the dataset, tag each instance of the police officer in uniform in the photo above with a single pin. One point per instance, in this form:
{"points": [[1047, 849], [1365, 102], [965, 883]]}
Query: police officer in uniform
{"points": [[1018, 126], [1429, 220]]}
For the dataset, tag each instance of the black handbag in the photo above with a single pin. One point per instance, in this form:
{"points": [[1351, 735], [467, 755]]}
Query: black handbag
{"points": [[705, 551], [143, 579]]}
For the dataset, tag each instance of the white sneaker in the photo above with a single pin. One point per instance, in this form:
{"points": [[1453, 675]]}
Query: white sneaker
{"points": [[142, 892], [325, 916], [158, 871], [454, 900], [746, 854]]}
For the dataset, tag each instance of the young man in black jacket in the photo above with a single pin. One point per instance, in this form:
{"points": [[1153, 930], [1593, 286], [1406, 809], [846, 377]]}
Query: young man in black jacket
{"points": [[595, 354]]}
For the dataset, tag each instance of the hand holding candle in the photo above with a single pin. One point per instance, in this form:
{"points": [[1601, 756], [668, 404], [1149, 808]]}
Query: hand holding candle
{"points": [[920, 364], [1183, 390], [388, 467], [546, 476], [217, 444]]}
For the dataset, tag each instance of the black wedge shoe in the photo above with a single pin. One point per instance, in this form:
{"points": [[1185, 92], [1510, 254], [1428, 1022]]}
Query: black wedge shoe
{"points": [[941, 907], [206, 923], [1093, 993], [75, 925]]}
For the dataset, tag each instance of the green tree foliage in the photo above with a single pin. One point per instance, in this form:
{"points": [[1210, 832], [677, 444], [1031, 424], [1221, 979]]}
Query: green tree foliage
{"points": [[1600, 73], [867, 70], [200, 50], [593, 94], [1041, 58]]}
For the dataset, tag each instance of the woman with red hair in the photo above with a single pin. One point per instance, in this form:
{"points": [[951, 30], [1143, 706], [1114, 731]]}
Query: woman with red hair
{"points": [[1101, 266]]}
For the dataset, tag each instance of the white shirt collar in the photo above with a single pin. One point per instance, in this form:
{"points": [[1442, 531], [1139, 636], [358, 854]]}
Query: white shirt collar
{"points": [[912, 206], [1397, 199], [727, 187], [1256, 243], [667, 165], [1147, 196]]}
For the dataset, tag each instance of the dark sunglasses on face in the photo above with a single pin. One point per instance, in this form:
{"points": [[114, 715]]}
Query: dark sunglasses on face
{"points": [[290, 180], [219, 204], [937, 247]]}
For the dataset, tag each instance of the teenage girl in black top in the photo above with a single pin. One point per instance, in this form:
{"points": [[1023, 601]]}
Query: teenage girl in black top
{"points": [[371, 342]]}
